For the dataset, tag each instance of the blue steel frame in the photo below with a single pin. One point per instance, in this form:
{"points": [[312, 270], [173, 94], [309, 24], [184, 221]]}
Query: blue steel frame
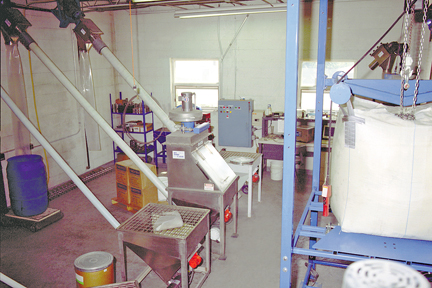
{"points": [[384, 90]]}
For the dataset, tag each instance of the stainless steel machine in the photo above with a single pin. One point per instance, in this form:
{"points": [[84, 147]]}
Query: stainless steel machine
{"points": [[198, 176], [165, 251]]}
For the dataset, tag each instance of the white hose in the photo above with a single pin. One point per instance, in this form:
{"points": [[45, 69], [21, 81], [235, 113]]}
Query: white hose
{"points": [[35, 132], [98, 118], [8, 281], [148, 100]]}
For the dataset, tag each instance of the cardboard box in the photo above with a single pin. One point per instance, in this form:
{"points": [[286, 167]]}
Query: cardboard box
{"points": [[138, 179], [149, 126], [139, 189], [121, 173], [140, 127], [141, 197], [305, 133], [142, 190], [123, 195]]}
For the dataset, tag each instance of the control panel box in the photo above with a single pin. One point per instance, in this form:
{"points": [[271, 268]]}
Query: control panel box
{"points": [[235, 122], [257, 116]]}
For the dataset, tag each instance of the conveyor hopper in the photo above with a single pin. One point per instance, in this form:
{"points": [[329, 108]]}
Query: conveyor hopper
{"points": [[165, 251]]}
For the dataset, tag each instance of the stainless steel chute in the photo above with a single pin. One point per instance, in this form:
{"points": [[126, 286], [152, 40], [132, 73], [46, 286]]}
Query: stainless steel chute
{"points": [[208, 159], [198, 176]]}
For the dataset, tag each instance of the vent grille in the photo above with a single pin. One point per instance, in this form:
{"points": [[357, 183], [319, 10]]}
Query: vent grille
{"points": [[68, 186]]}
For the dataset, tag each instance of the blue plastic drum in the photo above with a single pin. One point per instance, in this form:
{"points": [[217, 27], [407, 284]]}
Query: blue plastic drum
{"points": [[28, 190]]}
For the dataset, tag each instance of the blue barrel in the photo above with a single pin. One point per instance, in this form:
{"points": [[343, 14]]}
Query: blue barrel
{"points": [[28, 190]]}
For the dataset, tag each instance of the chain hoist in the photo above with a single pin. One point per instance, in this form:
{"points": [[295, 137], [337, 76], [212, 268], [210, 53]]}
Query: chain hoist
{"points": [[405, 72]]}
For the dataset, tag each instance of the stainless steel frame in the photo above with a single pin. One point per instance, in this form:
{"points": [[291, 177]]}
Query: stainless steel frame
{"points": [[168, 250], [196, 185]]}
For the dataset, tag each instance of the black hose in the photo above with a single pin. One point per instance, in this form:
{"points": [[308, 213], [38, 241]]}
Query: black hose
{"points": [[376, 43]]}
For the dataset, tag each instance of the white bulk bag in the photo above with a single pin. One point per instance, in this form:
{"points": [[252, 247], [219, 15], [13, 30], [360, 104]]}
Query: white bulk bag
{"points": [[384, 186]]}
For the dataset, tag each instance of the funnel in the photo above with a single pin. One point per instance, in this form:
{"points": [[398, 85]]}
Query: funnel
{"points": [[166, 251]]}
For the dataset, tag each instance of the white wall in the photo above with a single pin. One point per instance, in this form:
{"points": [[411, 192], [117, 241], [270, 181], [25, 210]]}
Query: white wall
{"points": [[254, 67]]}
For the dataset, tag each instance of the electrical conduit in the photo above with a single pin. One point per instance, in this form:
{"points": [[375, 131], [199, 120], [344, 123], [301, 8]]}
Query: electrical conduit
{"points": [[33, 130], [98, 118], [37, 114]]}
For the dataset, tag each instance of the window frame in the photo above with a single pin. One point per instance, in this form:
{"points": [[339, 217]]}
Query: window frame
{"points": [[193, 86], [312, 88]]}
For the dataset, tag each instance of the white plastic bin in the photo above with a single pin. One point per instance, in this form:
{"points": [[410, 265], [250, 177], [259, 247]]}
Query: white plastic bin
{"points": [[276, 170]]}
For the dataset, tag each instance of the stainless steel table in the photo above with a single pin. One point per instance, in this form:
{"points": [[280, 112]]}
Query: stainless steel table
{"points": [[245, 165]]}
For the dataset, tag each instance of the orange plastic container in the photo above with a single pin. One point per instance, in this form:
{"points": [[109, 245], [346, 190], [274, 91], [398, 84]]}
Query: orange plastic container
{"points": [[94, 269]]}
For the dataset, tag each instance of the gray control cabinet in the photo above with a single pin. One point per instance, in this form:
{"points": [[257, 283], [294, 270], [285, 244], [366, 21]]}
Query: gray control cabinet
{"points": [[235, 122]]}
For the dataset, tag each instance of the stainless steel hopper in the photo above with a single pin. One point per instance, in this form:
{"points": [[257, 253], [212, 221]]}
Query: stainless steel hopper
{"points": [[166, 251]]}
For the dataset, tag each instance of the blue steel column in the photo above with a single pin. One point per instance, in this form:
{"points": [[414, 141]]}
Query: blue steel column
{"points": [[320, 86], [291, 83]]}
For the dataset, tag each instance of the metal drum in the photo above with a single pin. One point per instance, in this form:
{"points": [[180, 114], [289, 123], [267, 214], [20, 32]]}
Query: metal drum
{"points": [[94, 269]]}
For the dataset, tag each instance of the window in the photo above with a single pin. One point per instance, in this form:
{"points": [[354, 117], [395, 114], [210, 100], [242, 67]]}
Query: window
{"points": [[309, 98], [197, 76], [308, 83]]}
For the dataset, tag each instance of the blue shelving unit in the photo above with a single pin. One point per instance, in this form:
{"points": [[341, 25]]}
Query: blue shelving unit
{"points": [[160, 136], [330, 243], [146, 118]]}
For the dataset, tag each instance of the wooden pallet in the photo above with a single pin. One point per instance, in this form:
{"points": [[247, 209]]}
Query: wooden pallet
{"points": [[128, 207], [34, 223]]}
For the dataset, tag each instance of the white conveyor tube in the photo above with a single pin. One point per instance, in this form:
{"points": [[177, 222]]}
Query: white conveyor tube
{"points": [[98, 118], [148, 100], [8, 281], [59, 159]]}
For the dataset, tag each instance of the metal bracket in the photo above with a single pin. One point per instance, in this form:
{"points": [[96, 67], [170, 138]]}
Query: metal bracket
{"points": [[68, 11], [350, 119], [14, 25]]}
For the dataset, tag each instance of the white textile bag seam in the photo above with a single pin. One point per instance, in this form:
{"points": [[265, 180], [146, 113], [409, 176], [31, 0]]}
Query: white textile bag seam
{"points": [[348, 185], [412, 176]]}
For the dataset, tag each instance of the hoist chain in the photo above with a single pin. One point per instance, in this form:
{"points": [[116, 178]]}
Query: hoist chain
{"points": [[419, 61], [404, 85], [404, 71]]}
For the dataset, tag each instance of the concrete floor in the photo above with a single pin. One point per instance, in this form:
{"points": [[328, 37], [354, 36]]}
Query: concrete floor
{"points": [[46, 258]]}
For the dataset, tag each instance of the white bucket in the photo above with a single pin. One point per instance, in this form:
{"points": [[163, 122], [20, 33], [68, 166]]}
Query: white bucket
{"points": [[276, 170], [161, 196]]}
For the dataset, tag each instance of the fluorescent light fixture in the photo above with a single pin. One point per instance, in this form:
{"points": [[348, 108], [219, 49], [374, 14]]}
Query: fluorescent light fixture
{"points": [[230, 11]]}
